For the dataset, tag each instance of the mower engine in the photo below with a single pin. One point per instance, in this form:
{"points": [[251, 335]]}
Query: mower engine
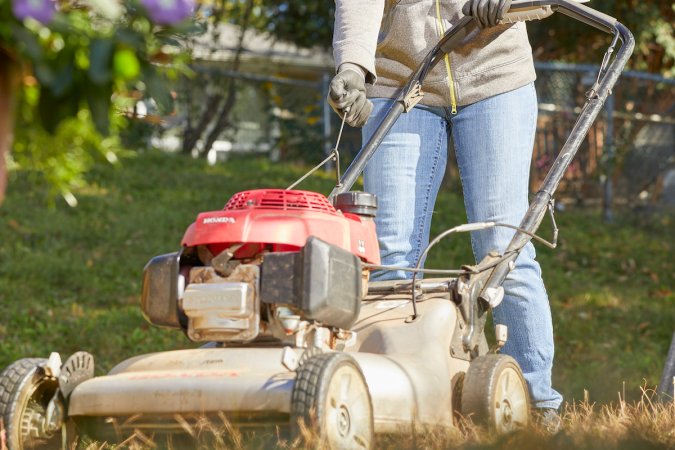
{"points": [[277, 263]]}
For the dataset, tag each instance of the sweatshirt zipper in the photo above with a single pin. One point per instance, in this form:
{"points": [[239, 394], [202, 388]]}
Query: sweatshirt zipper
{"points": [[451, 83]]}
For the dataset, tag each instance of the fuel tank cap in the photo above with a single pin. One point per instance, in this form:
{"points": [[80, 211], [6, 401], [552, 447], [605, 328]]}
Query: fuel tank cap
{"points": [[357, 202]]}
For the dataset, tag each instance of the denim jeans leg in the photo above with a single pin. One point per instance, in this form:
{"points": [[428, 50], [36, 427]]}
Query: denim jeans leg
{"points": [[405, 173], [493, 142]]}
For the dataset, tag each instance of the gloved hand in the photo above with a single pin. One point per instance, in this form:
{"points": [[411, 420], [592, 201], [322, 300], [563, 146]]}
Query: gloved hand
{"points": [[347, 95], [486, 12]]}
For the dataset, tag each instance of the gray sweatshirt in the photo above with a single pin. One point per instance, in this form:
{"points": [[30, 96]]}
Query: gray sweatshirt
{"points": [[389, 39]]}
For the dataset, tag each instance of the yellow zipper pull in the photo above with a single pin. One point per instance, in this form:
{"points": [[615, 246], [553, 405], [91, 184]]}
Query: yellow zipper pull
{"points": [[446, 58]]}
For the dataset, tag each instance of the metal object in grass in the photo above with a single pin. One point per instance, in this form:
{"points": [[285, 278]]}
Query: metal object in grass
{"points": [[666, 387]]}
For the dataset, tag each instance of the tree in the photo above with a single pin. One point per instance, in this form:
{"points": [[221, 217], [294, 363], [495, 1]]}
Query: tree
{"points": [[214, 117], [651, 21], [305, 24], [80, 62]]}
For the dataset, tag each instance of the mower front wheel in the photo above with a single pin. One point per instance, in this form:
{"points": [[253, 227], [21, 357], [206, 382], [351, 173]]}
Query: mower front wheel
{"points": [[331, 403], [25, 394], [495, 395]]}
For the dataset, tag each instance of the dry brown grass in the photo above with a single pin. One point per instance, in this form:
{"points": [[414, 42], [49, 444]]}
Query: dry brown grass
{"points": [[644, 425]]}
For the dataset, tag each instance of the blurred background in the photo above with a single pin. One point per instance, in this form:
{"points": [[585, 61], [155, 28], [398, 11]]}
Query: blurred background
{"points": [[120, 120]]}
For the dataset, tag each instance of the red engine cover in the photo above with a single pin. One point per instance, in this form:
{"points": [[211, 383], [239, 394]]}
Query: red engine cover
{"points": [[283, 220]]}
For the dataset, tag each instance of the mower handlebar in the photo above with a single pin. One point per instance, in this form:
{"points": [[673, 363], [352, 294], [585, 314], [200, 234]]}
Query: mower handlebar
{"points": [[539, 9], [526, 13]]}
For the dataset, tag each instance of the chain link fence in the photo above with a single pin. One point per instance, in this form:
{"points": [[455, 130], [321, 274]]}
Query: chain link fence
{"points": [[279, 116], [628, 156]]}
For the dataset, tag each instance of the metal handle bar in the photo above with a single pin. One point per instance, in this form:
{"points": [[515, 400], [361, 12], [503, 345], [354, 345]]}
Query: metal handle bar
{"points": [[526, 14], [462, 32], [536, 9], [595, 100]]}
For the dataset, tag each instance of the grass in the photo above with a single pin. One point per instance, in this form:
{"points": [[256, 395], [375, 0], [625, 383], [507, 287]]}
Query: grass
{"points": [[612, 294], [643, 425], [70, 278]]}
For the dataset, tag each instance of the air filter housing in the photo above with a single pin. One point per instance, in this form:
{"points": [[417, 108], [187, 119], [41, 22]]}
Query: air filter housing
{"points": [[322, 280]]}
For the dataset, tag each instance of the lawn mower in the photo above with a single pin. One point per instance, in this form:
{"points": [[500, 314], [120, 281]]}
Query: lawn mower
{"points": [[276, 286]]}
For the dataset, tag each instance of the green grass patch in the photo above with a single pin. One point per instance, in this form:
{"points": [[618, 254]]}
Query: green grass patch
{"points": [[70, 278]]}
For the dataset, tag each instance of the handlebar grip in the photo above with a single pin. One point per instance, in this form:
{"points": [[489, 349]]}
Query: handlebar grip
{"points": [[522, 10], [525, 14]]}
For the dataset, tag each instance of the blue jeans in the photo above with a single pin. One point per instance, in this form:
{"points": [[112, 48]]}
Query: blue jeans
{"points": [[493, 142]]}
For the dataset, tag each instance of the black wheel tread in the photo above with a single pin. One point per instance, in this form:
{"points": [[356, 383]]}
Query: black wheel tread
{"points": [[307, 388], [310, 388], [479, 384], [11, 380]]}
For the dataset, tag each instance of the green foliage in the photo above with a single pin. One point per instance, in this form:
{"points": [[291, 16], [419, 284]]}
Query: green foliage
{"points": [[82, 58], [81, 72], [70, 279], [306, 24], [64, 156], [651, 22]]}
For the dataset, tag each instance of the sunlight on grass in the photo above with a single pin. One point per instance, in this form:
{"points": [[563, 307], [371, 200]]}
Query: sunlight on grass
{"points": [[642, 425], [70, 278]]}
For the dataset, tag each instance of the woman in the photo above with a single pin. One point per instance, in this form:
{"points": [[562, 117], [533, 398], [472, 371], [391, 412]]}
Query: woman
{"points": [[482, 97]]}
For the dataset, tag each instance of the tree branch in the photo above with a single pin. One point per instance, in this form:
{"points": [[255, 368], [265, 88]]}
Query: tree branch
{"points": [[215, 106], [223, 117]]}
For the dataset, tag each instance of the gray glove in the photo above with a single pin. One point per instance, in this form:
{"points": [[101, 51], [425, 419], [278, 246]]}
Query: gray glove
{"points": [[347, 95], [486, 12]]}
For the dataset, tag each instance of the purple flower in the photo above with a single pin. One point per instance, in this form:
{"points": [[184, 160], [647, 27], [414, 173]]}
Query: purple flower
{"points": [[40, 10], [167, 12]]}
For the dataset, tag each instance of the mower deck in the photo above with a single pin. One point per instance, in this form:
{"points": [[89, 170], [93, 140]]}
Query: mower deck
{"points": [[413, 358]]}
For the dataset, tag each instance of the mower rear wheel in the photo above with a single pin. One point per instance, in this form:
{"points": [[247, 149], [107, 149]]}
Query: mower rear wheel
{"points": [[494, 393], [331, 402], [25, 393]]}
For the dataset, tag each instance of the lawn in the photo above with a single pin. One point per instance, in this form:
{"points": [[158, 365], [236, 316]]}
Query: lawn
{"points": [[70, 278]]}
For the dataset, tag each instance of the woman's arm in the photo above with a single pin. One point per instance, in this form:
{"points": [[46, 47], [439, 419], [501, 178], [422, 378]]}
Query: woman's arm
{"points": [[357, 23]]}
